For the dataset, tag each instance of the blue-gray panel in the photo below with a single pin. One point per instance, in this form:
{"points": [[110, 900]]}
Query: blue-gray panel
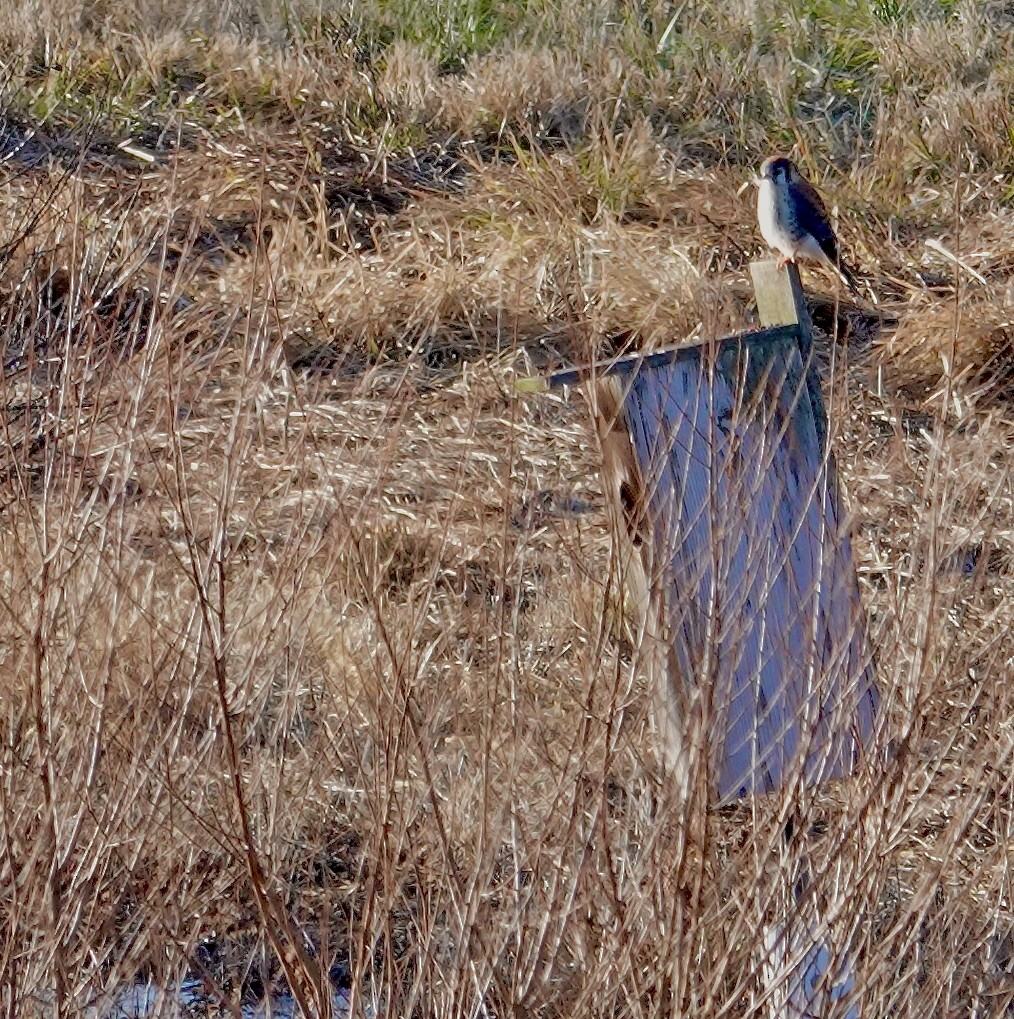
{"points": [[761, 597]]}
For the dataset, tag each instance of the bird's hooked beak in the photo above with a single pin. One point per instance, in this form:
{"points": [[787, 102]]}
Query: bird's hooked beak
{"points": [[755, 181]]}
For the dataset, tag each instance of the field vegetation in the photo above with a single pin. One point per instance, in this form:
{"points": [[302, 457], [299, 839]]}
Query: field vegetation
{"points": [[314, 663]]}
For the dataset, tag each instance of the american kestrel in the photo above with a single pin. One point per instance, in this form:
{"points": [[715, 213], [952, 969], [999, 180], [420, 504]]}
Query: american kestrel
{"points": [[793, 219]]}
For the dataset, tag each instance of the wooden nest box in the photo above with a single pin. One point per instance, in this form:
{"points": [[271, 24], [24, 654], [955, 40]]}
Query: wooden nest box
{"points": [[721, 487]]}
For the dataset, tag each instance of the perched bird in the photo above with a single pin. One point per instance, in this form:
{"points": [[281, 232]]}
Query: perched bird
{"points": [[793, 219]]}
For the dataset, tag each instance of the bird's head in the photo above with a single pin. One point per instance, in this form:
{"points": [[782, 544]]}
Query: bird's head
{"points": [[777, 169]]}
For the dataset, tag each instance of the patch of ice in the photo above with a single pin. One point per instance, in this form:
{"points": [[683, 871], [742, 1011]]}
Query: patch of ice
{"points": [[146, 1001]]}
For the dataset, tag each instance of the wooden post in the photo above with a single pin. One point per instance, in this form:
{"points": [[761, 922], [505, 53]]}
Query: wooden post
{"points": [[780, 297], [721, 493], [793, 963]]}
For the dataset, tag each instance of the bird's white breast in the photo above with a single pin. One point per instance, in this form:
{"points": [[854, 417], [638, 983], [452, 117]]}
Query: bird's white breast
{"points": [[772, 218]]}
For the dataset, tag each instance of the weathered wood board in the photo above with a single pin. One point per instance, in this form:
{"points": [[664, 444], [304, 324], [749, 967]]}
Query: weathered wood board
{"points": [[718, 463]]}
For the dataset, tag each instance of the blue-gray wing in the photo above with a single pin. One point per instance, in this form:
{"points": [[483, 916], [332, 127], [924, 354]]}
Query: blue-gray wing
{"points": [[813, 219]]}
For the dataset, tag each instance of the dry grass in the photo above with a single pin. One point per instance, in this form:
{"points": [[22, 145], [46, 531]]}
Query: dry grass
{"points": [[313, 652]]}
